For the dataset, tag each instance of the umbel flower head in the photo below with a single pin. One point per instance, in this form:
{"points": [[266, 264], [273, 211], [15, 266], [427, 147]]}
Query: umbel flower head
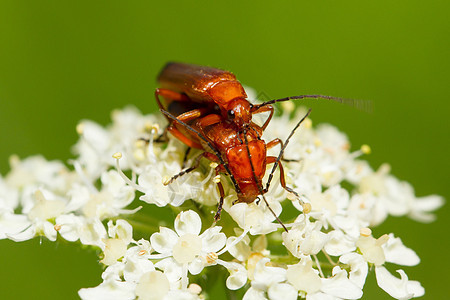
{"points": [[119, 169]]}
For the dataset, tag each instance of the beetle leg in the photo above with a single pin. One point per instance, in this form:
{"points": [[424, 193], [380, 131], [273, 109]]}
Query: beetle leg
{"points": [[188, 170], [222, 196], [192, 114], [271, 160], [171, 95], [194, 166], [209, 120], [276, 142], [179, 135], [262, 109], [185, 117]]}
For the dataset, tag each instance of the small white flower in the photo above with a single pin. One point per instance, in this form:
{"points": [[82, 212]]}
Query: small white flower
{"points": [[136, 261], [305, 238], [368, 208], [114, 249], [255, 218], [111, 200], [372, 250], [39, 216], [116, 246], [157, 193], [36, 172], [265, 277], [88, 231], [185, 246]]}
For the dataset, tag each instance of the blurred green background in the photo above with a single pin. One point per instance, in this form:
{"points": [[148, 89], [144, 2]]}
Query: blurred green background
{"points": [[62, 61]]}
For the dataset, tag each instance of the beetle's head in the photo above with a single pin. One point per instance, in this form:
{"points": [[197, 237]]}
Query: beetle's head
{"points": [[238, 111]]}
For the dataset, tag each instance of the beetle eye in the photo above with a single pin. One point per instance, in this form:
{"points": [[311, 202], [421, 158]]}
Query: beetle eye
{"points": [[231, 114]]}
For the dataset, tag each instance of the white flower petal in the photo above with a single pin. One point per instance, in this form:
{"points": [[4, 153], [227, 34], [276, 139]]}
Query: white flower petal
{"points": [[339, 243], [12, 225], [213, 239], [114, 250], [187, 248], [25, 234], [254, 294], [92, 232], [256, 218], [109, 290], [358, 268], [171, 269], [264, 275], [399, 288], [303, 277], [399, 254], [155, 191], [153, 285], [422, 207], [241, 251], [69, 226], [371, 250], [49, 231], [188, 222], [164, 240], [238, 276], [135, 266], [340, 286], [196, 265], [282, 291], [9, 196], [121, 230], [321, 296]]}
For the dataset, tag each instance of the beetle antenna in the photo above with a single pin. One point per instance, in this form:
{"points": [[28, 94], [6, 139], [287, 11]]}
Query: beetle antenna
{"points": [[259, 184], [363, 105], [216, 152], [256, 132], [280, 155]]}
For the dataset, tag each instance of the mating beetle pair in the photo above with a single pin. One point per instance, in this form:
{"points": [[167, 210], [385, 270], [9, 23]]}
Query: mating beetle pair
{"points": [[207, 109]]}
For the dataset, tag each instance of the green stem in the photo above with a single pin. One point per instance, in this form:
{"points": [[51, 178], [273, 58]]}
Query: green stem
{"points": [[145, 218], [143, 227]]}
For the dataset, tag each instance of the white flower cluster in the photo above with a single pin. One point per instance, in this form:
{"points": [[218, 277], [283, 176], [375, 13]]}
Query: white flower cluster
{"points": [[326, 254]]}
